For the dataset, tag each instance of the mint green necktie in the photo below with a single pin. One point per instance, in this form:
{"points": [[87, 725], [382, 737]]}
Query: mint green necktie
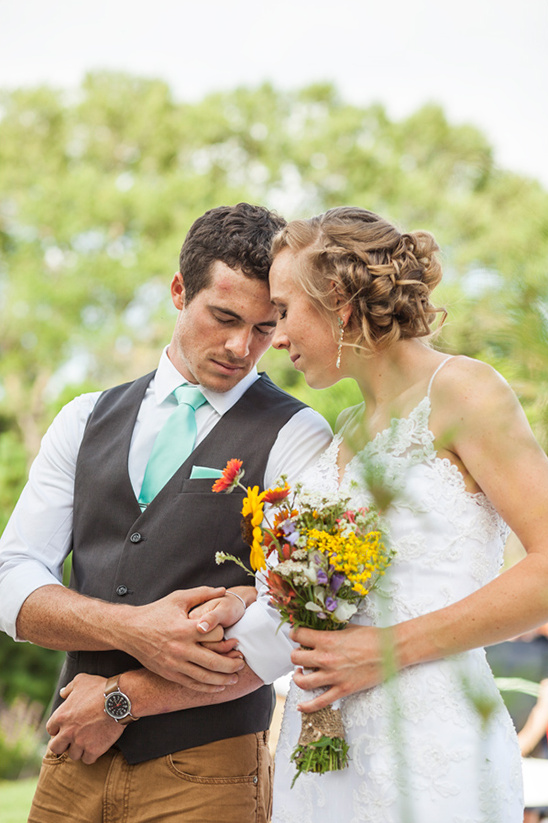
{"points": [[174, 442]]}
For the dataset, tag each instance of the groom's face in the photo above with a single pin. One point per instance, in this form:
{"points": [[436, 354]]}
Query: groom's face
{"points": [[224, 330]]}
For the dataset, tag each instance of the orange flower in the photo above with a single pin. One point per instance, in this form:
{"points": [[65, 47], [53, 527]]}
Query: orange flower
{"points": [[279, 589], [277, 494], [232, 474], [286, 551], [282, 515]]}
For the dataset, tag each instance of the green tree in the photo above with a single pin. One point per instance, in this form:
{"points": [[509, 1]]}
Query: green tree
{"points": [[98, 189]]}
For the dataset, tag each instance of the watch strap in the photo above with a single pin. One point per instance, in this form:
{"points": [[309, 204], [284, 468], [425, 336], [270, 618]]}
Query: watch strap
{"points": [[112, 685]]}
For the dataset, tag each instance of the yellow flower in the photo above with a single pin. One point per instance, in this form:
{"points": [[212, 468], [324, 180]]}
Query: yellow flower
{"points": [[358, 558], [252, 509], [253, 505], [256, 558]]}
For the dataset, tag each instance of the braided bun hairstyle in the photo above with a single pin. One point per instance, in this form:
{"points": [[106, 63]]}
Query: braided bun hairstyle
{"points": [[353, 257]]}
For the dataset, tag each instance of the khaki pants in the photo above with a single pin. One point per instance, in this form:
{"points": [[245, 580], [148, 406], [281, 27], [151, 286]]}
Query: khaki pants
{"points": [[228, 781]]}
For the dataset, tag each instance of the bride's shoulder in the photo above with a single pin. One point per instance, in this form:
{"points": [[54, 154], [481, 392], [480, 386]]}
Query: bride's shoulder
{"points": [[349, 417], [461, 374], [466, 386]]}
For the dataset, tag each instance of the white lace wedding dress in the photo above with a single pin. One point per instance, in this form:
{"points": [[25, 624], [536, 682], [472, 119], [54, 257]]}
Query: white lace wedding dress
{"points": [[420, 750]]}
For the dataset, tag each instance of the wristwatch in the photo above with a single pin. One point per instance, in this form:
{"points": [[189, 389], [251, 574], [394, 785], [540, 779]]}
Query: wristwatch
{"points": [[117, 704]]}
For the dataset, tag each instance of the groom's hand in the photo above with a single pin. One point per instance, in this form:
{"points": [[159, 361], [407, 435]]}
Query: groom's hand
{"points": [[342, 662], [166, 640], [79, 726]]}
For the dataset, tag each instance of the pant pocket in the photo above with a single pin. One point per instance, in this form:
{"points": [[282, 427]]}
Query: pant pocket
{"points": [[221, 781], [51, 759]]}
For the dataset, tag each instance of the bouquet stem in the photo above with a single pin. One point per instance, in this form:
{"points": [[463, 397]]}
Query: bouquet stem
{"points": [[321, 747]]}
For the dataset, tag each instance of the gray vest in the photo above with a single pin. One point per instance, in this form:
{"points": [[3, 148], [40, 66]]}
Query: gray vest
{"points": [[123, 555]]}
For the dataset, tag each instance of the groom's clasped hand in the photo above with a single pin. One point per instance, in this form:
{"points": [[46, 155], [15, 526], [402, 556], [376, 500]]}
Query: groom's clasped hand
{"points": [[170, 637]]}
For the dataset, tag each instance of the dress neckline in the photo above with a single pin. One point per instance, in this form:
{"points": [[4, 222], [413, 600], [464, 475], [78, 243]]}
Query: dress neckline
{"points": [[416, 411], [394, 422]]}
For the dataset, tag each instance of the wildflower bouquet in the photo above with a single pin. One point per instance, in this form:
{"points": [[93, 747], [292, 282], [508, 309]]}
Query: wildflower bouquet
{"points": [[320, 560]]}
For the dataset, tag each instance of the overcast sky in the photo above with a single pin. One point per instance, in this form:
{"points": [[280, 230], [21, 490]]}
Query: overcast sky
{"points": [[485, 61]]}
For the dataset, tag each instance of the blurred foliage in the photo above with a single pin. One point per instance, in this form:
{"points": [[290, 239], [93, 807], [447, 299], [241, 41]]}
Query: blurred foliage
{"points": [[27, 670], [21, 739], [98, 188]]}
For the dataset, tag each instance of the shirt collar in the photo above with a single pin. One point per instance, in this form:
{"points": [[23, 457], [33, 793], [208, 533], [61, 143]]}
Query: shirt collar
{"points": [[167, 379]]}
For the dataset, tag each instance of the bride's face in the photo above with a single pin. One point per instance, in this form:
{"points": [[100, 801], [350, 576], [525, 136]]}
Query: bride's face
{"points": [[301, 329]]}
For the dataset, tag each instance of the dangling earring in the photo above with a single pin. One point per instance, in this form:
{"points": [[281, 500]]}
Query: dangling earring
{"points": [[339, 347]]}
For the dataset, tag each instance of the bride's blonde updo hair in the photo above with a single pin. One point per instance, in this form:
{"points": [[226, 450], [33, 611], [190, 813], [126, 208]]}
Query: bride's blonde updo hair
{"points": [[353, 257]]}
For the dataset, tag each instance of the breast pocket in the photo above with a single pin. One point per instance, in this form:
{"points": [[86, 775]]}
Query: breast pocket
{"points": [[208, 523]]}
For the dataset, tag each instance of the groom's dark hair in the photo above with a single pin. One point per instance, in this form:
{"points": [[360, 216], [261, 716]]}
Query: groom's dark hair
{"points": [[239, 236]]}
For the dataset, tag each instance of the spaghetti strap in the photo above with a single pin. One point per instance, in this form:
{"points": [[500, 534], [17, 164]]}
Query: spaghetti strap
{"points": [[441, 365]]}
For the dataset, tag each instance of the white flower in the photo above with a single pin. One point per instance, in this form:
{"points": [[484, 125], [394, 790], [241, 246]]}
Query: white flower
{"points": [[344, 611], [288, 567], [310, 572], [314, 499], [319, 593]]}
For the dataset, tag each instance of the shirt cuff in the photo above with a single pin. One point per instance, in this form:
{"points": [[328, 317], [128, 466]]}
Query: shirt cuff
{"points": [[266, 649]]}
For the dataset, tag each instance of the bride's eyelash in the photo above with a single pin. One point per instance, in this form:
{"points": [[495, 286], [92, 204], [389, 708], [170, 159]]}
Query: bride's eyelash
{"points": [[282, 313]]}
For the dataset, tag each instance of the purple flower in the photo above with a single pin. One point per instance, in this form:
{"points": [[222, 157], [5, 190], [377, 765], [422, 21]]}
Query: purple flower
{"points": [[330, 604], [290, 531], [336, 582], [321, 577]]}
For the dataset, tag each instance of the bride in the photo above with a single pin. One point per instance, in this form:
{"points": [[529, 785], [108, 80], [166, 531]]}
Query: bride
{"points": [[433, 744]]}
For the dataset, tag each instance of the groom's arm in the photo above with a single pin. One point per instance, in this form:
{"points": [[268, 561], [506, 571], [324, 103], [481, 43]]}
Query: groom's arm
{"points": [[80, 725], [160, 635]]}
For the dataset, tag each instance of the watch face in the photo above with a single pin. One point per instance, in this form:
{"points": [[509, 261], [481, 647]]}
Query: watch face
{"points": [[117, 705]]}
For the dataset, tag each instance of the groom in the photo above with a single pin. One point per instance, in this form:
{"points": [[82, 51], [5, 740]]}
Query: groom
{"points": [[143, 556]]}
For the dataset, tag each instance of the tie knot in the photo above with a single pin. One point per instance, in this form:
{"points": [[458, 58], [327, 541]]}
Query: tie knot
{"points": [[190, 395]]}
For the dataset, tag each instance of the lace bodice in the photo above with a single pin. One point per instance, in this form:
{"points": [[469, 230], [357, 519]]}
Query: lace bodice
{"points": [[421, 740]]}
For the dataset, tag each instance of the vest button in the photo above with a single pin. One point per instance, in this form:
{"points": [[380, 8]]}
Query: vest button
{"points": [[136, 537], [121, 590]]}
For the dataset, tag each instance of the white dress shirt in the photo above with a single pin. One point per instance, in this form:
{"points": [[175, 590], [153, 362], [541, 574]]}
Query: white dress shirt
{"points": [[38, 536]]}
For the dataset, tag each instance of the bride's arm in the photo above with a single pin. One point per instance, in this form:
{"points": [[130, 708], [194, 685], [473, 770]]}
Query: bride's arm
{"points": [[492, 438]]}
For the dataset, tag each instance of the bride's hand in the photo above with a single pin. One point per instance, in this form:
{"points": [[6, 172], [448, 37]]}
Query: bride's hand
{"points": [[345, 662]]}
